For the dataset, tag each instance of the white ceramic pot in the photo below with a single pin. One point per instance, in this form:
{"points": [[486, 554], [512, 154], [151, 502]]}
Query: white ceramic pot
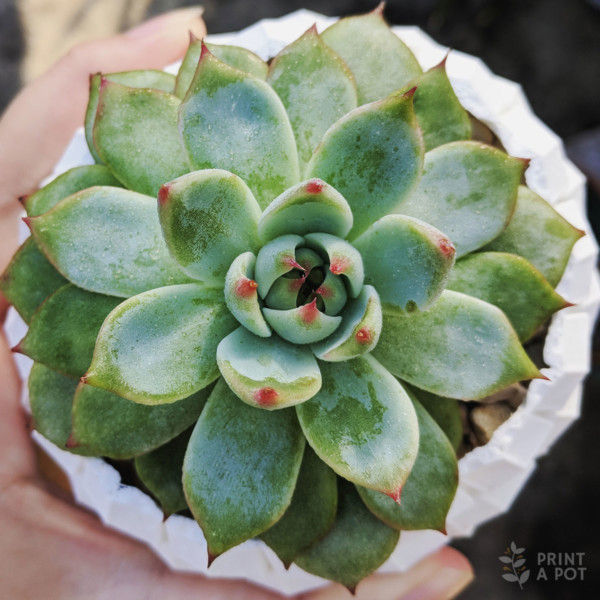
{"points": [[491, 476]]}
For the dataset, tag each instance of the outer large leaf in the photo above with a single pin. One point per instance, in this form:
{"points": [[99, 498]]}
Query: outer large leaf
{"points": [[357, 544], [231, 120], [539, 234], [135, 134], [107, 240], [315, 86], [430, 487], [158, 80], [160, 346], [267, 372], [240, 469], [373, 157], [407, 261], [112, 426], [441, 116], [511, 283], [234, 56], [63, 331], [160, 471], [461, 347], [29, 279], [468, 191], [362, 424], [73, 180], [208, 218], [380, 61], [311, 512]]}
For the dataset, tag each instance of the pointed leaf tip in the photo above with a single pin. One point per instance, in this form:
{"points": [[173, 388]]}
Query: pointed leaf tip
{"points": [[71, 442], [525, 162], [23, 199], [17, 348], [309, 312], [442, 63], [443, 530], [410, 93], [315, 186], [205, 51], [395, 495], [210, 559], [27, 221], [542, 376], [378, 10], [312, 29], [163, 194]]}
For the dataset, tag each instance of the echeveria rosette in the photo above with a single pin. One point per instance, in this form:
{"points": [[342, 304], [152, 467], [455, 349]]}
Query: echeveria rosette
{"points": [[276, 286]]}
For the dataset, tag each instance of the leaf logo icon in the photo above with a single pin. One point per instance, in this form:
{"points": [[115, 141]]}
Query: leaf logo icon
{"points": [[514, 569]]}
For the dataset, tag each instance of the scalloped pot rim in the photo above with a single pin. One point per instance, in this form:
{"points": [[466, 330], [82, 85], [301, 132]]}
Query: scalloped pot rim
{"points": [[490, 476]]}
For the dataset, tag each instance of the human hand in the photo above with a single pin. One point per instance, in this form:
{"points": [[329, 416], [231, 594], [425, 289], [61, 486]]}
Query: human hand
{"points": [[50, 548]]}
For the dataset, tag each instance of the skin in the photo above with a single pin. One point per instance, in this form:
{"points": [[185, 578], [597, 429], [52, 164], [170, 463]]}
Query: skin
{"points": [[74, 555]]}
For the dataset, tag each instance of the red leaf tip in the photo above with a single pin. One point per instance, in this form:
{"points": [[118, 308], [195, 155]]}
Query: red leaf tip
{"points": [[442, 63], [339, 265], [17, 348], [378, 10], [71, 442], [291, 261], [542, 376], [525, 162], [266, 396], [443, 530], [446, 247], [84, 379], [309, 312], [27, 221], [210, 559], [395, 495], [363, 336], [312, 29], [103, 82], [568, 304], [315, 186], [410, 93], [163, 194], [245, 288], [205, 51]]}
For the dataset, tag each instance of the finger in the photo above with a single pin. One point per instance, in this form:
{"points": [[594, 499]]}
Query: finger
{"points": [[40, 121], [439, 576]]}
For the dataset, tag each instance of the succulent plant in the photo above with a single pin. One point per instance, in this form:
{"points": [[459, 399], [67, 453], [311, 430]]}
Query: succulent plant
{"points": [[310, 250]]}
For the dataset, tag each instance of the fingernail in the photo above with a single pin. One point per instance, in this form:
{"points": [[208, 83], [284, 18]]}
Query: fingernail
{"points": [[158, 24]]}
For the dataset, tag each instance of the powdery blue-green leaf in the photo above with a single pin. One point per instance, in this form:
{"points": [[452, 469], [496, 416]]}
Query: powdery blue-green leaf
{"points": [[267, 372], [29, 279], [316, 87], [62, 333], [461, 347], [151, 78], [136, 136], [107, 240], [511, 283], [380, 61], [240, 469], [373, 156], [274, 260], [241, 295], [539, 234], [72, 181], [359, 331], [311, 513], [160, 471], [234, 121], [362, 424], [440, 115], [430, 487], [176, 329], [407, 261], [307, 207], [283, 294], [208, 218], [356, 545], [108, 425], [333, 293], [468, 190], [234, 56]]}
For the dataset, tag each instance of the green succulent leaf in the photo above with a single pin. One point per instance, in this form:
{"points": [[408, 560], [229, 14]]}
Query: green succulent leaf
{"points": [[107, 240], [333, 293], [407, 261], [283, 294], [176, 329], [380, 61], [234, 121], [72, 181], [344, 259], [539, 234], [275, 259], [359, 331], [373, 156], [430, 487], [468, 190], [112, 426], [311, 513], [136, 136], [29, 279], [362, 424], [316, 87], [160, 471], [240, 469], [241, 295], [440, 115], [51, 399], [356, 545], [267, 372], [309, 206], [62, 333], [234, 56], [512, 284], [461, 347], [208, 218], [154, 79]]}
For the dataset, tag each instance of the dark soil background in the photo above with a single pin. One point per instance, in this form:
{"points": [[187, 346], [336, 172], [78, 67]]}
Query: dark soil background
{"points": [[552, 47]]}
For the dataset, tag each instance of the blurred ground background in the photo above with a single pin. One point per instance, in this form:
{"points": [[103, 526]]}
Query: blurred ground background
{"points": [[552, 47]]}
